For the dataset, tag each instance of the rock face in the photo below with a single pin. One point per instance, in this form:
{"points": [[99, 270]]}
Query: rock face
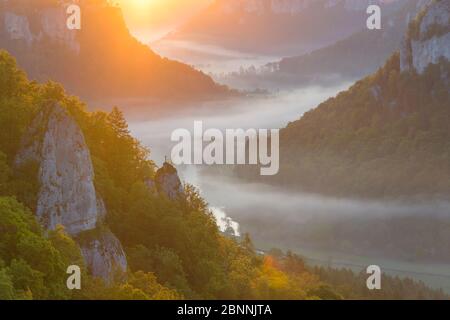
{"points": [[50, 23], [67, 195], [104, 255], [428, 40], [18, 28], [167, 181]]}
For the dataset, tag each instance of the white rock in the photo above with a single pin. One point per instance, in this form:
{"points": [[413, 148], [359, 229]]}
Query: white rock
{"points": [[168, 182], [51, 24], [17, 27], [67, 195], [104, 255], [428, 49]]}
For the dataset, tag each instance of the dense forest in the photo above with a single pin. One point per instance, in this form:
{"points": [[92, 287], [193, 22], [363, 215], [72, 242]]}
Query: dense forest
{"points": [[350, 285], [173, 247]]}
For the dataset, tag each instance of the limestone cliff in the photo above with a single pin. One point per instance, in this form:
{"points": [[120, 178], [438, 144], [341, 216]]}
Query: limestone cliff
{"points": [[67, 195], [103, 254], [428, 39], [49, 24], [168, 182]]}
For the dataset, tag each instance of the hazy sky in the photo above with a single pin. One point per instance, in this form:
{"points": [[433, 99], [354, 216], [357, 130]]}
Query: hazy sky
{"points": [[151, 19]]}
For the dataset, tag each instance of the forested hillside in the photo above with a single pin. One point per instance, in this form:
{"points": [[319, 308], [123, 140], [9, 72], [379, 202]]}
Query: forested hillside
{"points": [[383, 144], [101, 60], [173, 246], [387, 136]]}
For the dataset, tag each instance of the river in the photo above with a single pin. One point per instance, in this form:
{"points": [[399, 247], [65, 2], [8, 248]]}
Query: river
{"points": [[269, 214]]}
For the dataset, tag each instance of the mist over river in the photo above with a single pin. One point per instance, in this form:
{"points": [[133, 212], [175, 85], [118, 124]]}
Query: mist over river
{"points": [[274, 217], [265, 112], [268, 112]]}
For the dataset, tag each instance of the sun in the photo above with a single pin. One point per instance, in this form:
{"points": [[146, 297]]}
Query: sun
{"points": [[157, 17], [140, 10]]}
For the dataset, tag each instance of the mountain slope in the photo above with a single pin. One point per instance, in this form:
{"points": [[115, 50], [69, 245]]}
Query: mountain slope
{"points": [[171, 241], [356, 56], [388, 135], [351, 58], [100, 60], [50, 217], [281, 27]]}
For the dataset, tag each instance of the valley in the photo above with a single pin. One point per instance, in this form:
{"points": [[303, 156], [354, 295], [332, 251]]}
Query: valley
{"points": [[300, 222], [333, 228], [103, 165]]}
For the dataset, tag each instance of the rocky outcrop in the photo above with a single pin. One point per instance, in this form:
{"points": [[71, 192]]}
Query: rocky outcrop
{"points": [[103, 254], [48, 23], [67, 195], [168, 182], [428, 39], [18, 27]]}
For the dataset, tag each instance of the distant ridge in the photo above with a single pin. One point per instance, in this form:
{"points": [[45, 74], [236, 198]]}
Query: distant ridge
{"points": [[100, 60]]}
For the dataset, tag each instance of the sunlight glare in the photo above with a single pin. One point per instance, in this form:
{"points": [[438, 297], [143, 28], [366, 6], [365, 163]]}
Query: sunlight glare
{"points": [[142, 4]]}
